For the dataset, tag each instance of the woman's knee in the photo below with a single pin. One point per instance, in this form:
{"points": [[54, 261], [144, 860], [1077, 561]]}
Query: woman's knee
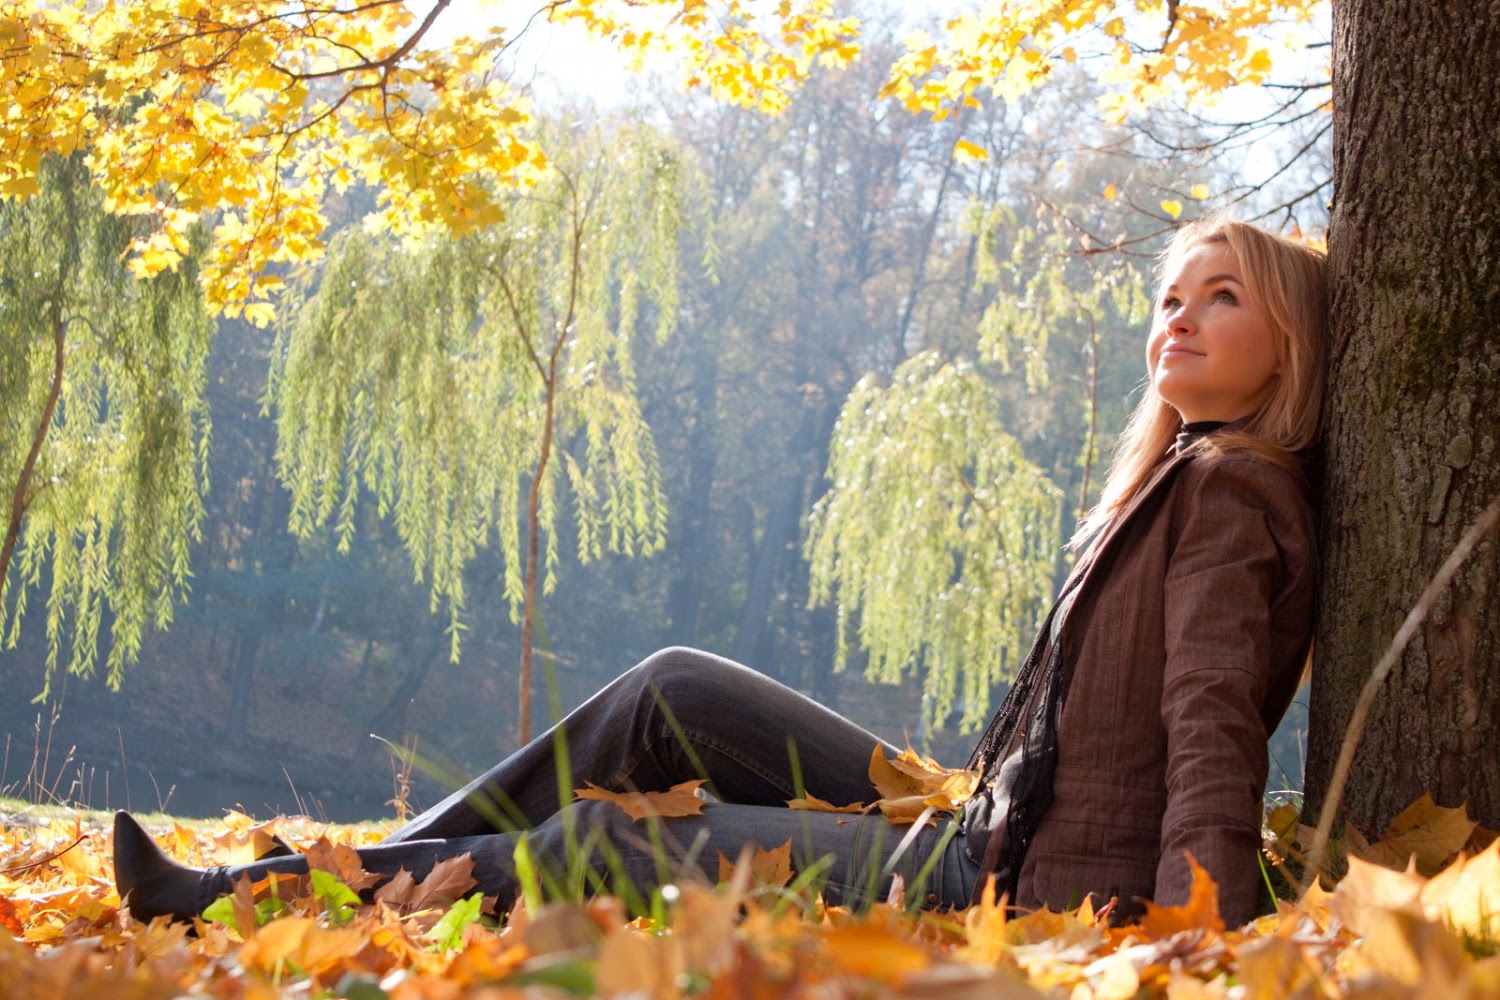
{"points": [[677, 671]]}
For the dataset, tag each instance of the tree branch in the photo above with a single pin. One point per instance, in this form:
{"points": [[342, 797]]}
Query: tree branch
{"points": [[21, 498]]}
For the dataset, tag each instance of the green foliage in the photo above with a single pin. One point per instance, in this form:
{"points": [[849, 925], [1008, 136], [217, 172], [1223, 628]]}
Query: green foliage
{"points": [[434, 376], [339, 901], [104, 429], [937, 534], [448, 933]]}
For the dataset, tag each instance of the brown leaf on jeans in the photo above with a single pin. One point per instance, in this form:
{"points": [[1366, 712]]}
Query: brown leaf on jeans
{"points": [[768, 869], [342, 862], [682, 799]]}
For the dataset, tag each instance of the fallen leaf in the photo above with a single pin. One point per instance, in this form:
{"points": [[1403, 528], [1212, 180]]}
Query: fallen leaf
{"points": [[873, 952], [398, 890], [274, 943], [908, 784], [8, 918], [1201, 910], [768, 868], [1424, 830], [449, 881], [639, 965], [680, 800], [1368, 889], [1466, 895], [812, 803], [341, 861]]}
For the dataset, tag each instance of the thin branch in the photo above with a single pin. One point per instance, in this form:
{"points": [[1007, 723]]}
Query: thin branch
{"points": [[21, 497], [1366, 700], [49, 858]]}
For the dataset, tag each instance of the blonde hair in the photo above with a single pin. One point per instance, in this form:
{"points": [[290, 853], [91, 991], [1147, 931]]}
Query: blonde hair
{"points": [[1284, 280]]}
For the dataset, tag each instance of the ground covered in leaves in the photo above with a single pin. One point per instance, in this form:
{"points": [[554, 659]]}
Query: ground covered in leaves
{"points": [[1380, 932]]}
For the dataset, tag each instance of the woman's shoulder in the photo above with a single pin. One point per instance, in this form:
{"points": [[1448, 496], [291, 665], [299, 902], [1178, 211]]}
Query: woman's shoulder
{"points": [[1273, 474]]}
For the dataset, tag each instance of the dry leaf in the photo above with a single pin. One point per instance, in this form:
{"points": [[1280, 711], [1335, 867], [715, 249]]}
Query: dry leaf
{"points": [[768, 868], [1466, 895], [1368, 889], [812, 803], [682, 799], [909, 784], [1424, 830], [1200, 912], [873, 952], [638, 965], [275, 943], [397, 890], [342, 862]]}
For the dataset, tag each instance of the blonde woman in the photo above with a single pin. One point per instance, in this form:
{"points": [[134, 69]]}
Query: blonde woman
{"points": [[1133, 737]]}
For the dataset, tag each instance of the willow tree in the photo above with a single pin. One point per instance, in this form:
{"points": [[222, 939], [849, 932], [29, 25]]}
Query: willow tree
{"points": [[477, 387], [102, 430], [939, 538], [937, 535]]}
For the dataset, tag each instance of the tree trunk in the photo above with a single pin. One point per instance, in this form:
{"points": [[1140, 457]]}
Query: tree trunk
{"points": [[695, 512], [1413, 402]]}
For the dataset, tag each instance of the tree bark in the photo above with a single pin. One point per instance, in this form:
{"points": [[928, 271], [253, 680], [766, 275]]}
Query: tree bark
{"points": [[1412, 407]]}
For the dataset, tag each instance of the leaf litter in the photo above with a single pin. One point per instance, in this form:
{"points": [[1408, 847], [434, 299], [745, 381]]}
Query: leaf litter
{"points": [[1384, 930]]}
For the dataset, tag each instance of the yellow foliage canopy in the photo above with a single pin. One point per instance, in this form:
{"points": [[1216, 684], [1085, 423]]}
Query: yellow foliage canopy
{"points": [[246, 114]]}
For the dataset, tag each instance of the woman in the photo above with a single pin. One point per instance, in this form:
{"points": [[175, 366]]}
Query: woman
{"points": [[1134, 735]]}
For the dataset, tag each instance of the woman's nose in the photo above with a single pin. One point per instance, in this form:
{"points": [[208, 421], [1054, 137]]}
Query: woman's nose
{"points": [[1180, 321]]}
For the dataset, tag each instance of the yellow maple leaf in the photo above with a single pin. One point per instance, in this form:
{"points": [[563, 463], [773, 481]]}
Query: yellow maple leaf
{"points": [[768, 868], [967, 151], [1466, 895], [1424, 831], [1172, 207]]}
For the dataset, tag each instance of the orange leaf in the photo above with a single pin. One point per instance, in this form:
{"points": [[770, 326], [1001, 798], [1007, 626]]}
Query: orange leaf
{"points": [[771, 868], [8, 918], [812, 803], [682, 799], [1201, 911], [398, 890], [342, 862], [874, 952], [275, 942]]}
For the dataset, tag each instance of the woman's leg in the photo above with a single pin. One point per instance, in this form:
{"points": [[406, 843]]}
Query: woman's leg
{"points": [[678, 715], [854, 857]]}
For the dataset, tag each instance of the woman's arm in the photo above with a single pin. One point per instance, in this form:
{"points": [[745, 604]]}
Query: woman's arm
{"points": [[1238, 610]]}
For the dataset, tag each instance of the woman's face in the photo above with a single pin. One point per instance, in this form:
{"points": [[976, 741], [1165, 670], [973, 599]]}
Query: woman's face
{"points": [[1212, 355]]}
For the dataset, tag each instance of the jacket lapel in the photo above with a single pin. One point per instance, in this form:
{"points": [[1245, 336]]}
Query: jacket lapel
{"points": [[1160, 477]]}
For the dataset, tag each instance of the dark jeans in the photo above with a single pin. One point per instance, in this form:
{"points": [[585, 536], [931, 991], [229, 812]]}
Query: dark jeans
{"points": [[678, 715]]}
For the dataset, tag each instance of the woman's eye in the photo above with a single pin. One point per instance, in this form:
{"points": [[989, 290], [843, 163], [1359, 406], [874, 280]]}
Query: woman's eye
{"points": [[1224, 295], [1168, 304]]}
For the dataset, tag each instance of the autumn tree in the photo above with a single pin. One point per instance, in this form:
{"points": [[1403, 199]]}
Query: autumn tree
{"points": [[103, 429], [484, 386]]}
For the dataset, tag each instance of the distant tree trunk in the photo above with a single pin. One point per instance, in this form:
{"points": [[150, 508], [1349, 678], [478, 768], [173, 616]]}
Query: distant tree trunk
{"points": [[1413, 405], [277, 552], [780, 536], [687, 588]]}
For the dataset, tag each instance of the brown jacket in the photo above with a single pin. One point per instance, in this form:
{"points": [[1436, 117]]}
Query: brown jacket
{"points": [[1183, 649]]}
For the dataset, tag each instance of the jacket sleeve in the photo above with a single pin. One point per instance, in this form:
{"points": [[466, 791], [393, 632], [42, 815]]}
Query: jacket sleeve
{"points": [[1241, 567]]}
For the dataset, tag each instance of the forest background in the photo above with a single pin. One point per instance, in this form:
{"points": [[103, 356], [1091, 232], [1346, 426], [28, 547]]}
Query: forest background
{"points": [[842, 256]]}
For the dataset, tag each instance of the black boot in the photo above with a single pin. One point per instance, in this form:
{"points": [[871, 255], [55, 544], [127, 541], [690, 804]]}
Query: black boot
{"points": [[151, 883]]}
